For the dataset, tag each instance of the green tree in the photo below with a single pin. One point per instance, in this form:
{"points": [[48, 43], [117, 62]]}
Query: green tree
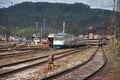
{"points": [[73, 30], [5, 31], [26, 13], [25, 32], [118, 33], [28, 32], [2, 30]]}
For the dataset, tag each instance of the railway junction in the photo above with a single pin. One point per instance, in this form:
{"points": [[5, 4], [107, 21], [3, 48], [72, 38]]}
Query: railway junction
{"points": [[79, 63]]}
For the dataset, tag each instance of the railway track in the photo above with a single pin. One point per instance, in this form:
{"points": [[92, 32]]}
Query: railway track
{"points": [[102, 66], [14, 54], [21, 49], [81, 71], [32, 62], [25, 51]]}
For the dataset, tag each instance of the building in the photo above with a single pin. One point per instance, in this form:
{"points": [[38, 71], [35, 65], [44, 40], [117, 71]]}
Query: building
{"points": [[96, 33]]}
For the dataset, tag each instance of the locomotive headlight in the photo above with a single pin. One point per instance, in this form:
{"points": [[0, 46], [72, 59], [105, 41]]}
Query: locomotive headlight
{"points": [[58, 40]]}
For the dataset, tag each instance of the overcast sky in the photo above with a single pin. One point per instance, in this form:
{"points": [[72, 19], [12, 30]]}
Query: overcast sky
{"points": [[105, 4]]}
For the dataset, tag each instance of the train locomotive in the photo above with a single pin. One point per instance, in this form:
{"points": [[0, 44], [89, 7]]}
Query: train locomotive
{"points": [[65, 40]]}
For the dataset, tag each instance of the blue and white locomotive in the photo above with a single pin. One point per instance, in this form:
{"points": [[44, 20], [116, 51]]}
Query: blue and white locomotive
{"points": [[64, 40]]}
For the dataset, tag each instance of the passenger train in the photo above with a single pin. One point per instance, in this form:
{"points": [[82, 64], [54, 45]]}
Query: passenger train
{"points": [[64, 40]]}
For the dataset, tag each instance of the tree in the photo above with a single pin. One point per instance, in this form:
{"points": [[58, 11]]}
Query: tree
{"points": [[26, 32], [2, 30], [5, 31], [118, 33]]}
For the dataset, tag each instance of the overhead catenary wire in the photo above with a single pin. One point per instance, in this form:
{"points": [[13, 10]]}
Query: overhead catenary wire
{"points": [[6, 2], [11, 2], [103, 3]]}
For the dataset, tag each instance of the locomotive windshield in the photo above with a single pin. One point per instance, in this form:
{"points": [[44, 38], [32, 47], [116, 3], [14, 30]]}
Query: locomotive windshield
{"points": [[59, 37]]}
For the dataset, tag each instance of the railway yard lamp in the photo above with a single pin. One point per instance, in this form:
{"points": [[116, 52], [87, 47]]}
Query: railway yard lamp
{"points": [[36, 23], [63, 26]]}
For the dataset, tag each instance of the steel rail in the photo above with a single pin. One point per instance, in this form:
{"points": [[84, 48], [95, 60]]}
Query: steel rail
{"points": [[21, 49], [63, 72], [57, 74], [97, 71], [28, 60], [20, 53], [2, 74]]}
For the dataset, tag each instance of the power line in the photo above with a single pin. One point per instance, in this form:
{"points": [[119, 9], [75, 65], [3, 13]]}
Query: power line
{"points": [[103, 3], [7, 2], [11, 2], [55, 1]]}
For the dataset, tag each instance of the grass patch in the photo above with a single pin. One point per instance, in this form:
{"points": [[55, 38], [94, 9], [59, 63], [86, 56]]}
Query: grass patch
{"points": [[79, 56], [85, 53], [115, 58]]}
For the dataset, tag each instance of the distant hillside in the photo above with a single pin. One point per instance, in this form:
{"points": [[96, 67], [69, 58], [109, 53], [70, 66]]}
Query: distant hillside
{"points": [[52, 15]]}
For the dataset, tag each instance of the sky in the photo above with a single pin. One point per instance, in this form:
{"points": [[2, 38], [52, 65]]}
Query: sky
{"points": [[104, 4]]}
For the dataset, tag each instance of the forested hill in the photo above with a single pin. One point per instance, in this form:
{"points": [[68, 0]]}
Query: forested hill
{"points": [[52, 15]]}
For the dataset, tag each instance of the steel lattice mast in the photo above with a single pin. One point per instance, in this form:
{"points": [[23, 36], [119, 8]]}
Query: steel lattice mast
{"points": [[115, 17], [118, 19]]}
